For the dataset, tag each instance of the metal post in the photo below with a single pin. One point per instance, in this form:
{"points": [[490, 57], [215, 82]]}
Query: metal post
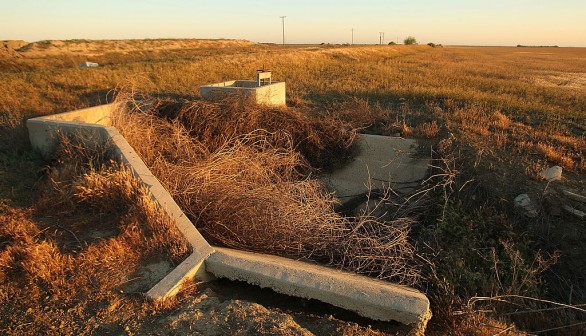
{"points": [[283, 20]]}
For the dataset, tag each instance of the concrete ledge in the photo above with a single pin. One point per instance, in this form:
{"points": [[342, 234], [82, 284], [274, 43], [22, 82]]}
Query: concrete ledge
{"points": [[368, 297], [100, 115]]}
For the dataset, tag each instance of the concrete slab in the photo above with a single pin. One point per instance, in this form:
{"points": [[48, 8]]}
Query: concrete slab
{"points": [[381, 163], [269, 94], [372, 298]]}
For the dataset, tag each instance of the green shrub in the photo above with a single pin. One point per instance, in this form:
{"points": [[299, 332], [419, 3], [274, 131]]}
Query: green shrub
{"points": [[410, 40]]}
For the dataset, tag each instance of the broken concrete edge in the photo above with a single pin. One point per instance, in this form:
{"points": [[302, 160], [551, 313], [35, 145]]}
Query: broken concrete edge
{"points": [[44, 133], [383, 301], [372, 298]]}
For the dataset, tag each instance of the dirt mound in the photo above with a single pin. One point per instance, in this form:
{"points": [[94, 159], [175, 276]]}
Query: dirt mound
{"points": [[207, 315], [13, 44], [99, 47], [8, 48]]}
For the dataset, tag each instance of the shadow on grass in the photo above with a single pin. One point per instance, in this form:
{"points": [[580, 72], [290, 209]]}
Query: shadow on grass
{"points": [[20, 167]]}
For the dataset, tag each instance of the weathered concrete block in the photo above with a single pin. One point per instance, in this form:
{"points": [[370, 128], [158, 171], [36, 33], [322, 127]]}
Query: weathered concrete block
{"points": [[270, 94], [372, 298]]}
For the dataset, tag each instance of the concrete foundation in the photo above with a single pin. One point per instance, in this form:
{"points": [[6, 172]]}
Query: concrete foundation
{"points": [[270, 94], [368, 297]]}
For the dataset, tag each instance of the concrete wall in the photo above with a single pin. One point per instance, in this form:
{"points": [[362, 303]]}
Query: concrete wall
{"points": [[376, 299], [272, 94], [45, 134], [100, 115]]}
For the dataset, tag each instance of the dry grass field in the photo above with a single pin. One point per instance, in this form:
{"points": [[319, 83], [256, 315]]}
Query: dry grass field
{"points": [[497, 117]]}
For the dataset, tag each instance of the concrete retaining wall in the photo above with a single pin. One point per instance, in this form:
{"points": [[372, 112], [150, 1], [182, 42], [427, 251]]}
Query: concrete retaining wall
{"points": [[368, 297]]}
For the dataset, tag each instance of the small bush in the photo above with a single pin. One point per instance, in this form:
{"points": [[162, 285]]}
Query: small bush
{"points": [[410, 40]]}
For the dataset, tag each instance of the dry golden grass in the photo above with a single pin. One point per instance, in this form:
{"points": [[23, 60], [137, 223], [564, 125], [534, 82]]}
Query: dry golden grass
{"points": [[54, 273], [512, 112]]}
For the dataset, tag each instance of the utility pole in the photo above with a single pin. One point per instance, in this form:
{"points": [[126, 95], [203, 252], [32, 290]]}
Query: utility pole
{"points": [[283, 20], [352, 36], [383, 38], [380, 37]]}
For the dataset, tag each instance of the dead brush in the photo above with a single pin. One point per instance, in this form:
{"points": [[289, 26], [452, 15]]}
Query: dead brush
{"points": [[324, 142], [247, 192], [428, 130]]}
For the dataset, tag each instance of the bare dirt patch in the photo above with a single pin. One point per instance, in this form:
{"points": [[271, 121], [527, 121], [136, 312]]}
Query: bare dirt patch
{"points": [[575, 80]]}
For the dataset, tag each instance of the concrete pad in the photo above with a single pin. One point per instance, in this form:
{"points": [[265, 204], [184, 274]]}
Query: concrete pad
{"points": [[269, 94], [382, 162], [372, 298]]}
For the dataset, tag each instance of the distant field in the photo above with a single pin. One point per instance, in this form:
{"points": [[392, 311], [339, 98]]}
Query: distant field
{"points": [[497, 117]]}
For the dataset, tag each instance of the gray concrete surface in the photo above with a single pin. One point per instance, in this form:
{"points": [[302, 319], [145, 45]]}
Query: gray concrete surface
{"points": [[381, 163], [368, 297], [270, 94]]}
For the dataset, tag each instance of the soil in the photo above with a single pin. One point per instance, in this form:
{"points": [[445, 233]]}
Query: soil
{"points": [[231, 308]]}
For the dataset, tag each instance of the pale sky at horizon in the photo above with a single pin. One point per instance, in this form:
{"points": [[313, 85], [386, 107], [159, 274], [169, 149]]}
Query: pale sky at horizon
{"points": [[453, 22]]}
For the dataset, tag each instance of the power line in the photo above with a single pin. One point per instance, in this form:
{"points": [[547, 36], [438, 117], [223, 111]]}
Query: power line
{"points": [[283, 20]]}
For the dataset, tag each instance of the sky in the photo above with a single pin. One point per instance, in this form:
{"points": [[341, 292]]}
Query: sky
{"points": [[450, 22]]}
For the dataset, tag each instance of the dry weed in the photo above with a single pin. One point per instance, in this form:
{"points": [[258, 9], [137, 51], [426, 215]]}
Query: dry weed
{"points": [[323, 142], [246, 191]]}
